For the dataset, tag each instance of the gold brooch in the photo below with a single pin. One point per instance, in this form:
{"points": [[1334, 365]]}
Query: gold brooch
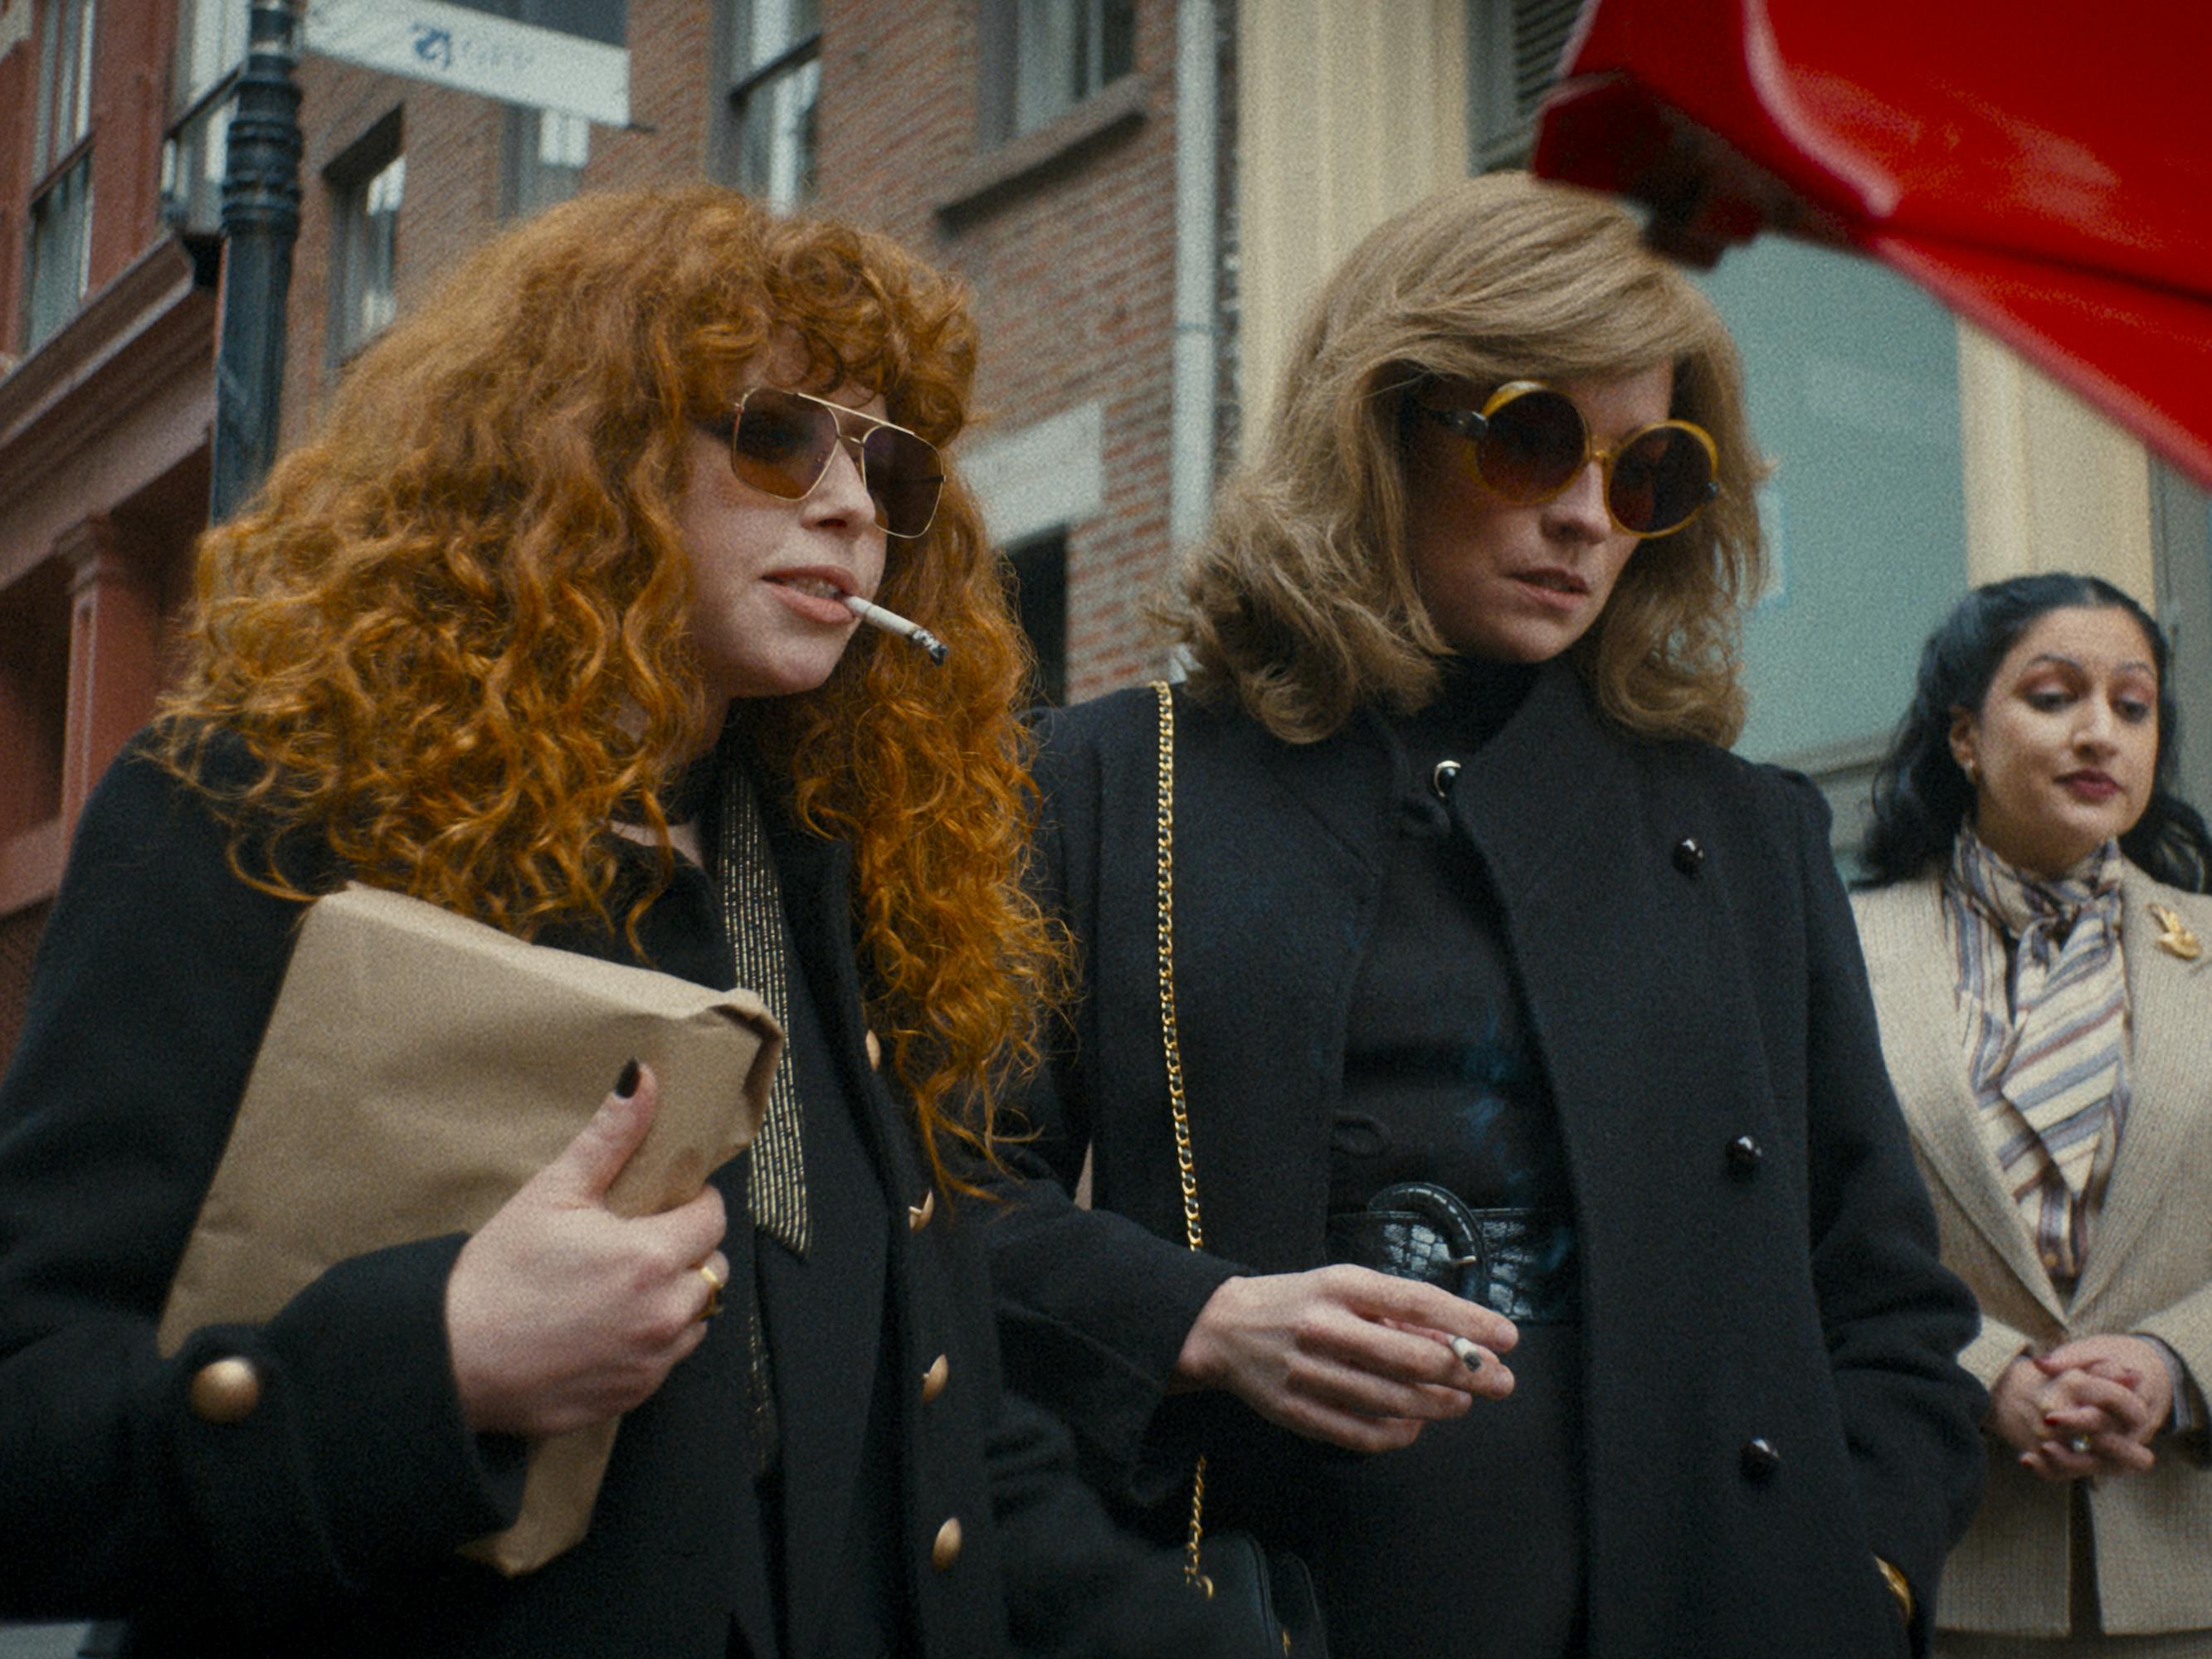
{"points": [[2174, 935]]}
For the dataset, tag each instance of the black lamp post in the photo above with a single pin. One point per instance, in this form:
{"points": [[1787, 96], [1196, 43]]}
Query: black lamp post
{"points": [[260, 223]]}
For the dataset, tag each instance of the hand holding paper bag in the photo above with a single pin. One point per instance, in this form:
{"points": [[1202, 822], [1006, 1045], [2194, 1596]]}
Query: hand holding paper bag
{"points": [[562, 1314], [421, 1074]]}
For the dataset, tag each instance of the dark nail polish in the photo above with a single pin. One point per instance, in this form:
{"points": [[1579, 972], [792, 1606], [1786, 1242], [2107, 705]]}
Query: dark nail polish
{"points": [[626, 1084]]}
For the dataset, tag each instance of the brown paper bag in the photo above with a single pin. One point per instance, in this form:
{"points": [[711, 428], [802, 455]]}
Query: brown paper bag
{"points": [[417, 1069]]}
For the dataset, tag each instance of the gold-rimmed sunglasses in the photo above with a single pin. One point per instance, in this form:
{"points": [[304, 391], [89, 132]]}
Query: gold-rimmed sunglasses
{"points": [[1527, 441], [781, 443]]}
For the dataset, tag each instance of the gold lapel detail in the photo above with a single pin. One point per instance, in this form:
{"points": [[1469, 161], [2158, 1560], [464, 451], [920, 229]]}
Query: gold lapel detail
{"points": [[2174, 936]]}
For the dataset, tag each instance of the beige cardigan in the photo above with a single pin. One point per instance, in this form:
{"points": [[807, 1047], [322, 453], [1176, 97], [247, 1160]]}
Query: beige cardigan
{"points": [[2150, 1268]]}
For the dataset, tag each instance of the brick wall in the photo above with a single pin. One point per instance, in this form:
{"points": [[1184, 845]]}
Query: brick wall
{"points": [[1072, 269], [1071, 264], [451, 143]]}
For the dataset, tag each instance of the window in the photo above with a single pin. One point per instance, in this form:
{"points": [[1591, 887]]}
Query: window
{"points": [[61, 164], [1513, 51], [774, 48], [211, 48], [1035, 571], [1042, 57], [367, 182], [544, 152]]}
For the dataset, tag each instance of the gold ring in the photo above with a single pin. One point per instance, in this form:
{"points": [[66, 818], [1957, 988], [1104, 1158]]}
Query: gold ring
{"points": [[714, 1282], [2079, 1445]]}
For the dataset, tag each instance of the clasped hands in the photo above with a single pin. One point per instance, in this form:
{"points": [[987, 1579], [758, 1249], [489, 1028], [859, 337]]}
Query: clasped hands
{"points": [[1345, 1355], [2086, 1408]]}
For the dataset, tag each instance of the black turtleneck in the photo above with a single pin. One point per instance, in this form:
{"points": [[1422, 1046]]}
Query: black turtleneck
{"points": [[1441, 1083]]}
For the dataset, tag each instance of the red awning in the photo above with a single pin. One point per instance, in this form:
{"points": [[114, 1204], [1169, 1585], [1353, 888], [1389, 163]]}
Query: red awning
{"points": [[2044, 170]]}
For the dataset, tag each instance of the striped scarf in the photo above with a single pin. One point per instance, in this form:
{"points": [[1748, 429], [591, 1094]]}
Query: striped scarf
{"points": [[2043, 995]]}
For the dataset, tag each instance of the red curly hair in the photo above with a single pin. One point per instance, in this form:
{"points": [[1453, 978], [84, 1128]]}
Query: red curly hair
{"points": [[451, 628]]}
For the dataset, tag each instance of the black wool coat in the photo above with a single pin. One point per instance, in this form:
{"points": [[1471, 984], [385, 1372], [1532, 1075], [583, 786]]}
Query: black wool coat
{"points": [[325, 1521], [1769, 1395]]}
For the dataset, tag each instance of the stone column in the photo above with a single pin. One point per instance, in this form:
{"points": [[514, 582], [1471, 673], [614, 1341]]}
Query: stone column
{"points": [[114, 665]]}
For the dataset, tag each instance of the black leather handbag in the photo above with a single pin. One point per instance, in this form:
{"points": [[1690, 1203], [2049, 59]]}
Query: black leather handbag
{"points": [[1271, 1590]]}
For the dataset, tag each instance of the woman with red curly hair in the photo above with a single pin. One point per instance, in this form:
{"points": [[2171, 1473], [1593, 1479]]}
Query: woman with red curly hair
{"points": [[556, 624]]}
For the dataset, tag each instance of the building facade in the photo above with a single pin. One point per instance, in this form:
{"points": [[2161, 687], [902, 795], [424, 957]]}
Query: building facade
{"points": [[1141, 194], [106, 340]]}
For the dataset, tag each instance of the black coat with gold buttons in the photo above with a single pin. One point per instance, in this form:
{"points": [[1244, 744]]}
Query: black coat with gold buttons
{"points": [[300, 1485], [1769, 1394]]}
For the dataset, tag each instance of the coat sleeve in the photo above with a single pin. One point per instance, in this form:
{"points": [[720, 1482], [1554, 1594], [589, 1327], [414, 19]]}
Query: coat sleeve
{"points": [[1994, 1347], [155, 978], [1079, 1588], [1894, 1317], [2185, 1327], [1093, 1306]]}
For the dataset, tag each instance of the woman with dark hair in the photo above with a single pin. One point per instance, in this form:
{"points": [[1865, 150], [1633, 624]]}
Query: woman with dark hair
{"points": [[2035, 935], [1523, 1231], [553, 624]]}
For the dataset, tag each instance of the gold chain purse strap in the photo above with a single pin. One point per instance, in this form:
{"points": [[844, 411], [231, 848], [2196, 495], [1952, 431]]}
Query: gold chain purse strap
{"points": [[1171, 1044]]}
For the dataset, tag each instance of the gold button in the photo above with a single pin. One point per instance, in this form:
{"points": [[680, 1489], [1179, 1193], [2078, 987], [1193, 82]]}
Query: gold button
{"points": [[226, 1391], [875, 1052], [934, 1379], [918, 1215], [946, 1550]]}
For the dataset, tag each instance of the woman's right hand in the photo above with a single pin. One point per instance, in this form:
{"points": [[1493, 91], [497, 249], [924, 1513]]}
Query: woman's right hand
{"points": [[561, 1314], [1345, 1355]]}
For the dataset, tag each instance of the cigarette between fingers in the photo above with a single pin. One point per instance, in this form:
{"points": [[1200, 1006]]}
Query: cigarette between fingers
{"points": [[891, 622], [1469, 1355]]}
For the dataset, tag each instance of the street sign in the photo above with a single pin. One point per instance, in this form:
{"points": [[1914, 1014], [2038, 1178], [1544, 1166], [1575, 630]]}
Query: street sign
{"points": [[575, 68]]}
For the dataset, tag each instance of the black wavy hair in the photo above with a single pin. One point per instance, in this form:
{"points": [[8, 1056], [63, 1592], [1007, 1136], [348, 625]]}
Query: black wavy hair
{"points": [[1920, 795]]}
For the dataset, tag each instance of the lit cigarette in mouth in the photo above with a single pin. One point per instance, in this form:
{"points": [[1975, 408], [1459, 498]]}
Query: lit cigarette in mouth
{"points": [[891, 622]]}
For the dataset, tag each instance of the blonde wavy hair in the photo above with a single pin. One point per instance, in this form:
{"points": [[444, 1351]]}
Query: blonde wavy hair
{"points": [[1301, 601], [452, 628]]}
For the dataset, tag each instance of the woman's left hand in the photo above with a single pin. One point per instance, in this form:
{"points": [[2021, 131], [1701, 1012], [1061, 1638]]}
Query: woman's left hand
{"points": [[2106, 1395]]}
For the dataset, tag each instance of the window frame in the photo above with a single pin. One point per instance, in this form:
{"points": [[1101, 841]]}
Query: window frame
{"points": [[999, 67], [61, 168], [1500, 116], [199, 118], [743, 82], [528, 183], [350, 177]]}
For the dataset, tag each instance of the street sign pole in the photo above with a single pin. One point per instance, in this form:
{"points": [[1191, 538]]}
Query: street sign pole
{"points": [[260, 223]]}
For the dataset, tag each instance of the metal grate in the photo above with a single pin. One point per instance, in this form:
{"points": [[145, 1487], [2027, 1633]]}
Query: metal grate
{"points": [[1540, 29], [1514, 48]]}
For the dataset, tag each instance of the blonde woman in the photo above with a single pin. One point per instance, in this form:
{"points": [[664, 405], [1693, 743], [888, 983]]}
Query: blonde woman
{"points": [[1566, 1287]]}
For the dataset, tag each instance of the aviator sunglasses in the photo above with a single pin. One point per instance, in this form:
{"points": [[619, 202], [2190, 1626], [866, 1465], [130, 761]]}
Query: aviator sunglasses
{"points": [[1527, 442], [781, 443]]}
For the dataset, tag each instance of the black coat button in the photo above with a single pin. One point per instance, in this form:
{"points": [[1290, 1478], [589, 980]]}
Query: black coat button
{"points": [[1759, 1459], [1441, 779], [1744, 1156], [1689, 855]]}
